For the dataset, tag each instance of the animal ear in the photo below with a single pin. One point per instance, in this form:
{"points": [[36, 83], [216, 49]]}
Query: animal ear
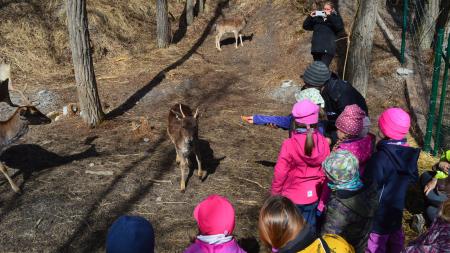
{"points": [[177, 115]]}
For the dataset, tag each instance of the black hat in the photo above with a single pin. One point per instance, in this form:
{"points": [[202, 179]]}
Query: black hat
{"points": [[316, 74]]}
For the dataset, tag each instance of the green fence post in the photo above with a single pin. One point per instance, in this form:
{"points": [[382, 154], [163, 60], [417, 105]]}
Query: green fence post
{"points": [[434, 90], [405, 24], [437, 140]]}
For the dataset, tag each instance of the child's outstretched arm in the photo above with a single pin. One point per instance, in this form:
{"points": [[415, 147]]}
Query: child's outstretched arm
{"points": [[283, 122]]}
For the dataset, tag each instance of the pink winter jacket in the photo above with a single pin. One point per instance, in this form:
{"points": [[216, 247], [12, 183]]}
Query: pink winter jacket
{"points": [[203, 247], [362, 149], [297, 176]]}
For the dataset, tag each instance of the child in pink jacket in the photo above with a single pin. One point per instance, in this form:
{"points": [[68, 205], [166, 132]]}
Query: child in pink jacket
{"points": [[215, 219], [298, 173], [350, 124]]}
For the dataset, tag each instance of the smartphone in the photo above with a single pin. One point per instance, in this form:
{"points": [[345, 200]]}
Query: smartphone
{"points": [[320, 14]]}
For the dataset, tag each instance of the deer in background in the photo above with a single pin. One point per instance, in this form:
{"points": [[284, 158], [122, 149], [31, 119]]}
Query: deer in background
{"points": [[183, 132], [230, 25], [17, 125]]}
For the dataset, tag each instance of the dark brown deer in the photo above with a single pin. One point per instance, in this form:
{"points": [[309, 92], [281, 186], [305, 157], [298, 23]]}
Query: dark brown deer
{"points": [[17, 126], [183, 132]]}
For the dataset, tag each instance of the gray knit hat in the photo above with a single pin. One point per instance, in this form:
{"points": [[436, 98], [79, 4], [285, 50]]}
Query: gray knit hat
{"points": [[316, 74]]}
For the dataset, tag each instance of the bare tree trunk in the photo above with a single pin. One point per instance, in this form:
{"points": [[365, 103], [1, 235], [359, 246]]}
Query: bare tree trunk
{"points": [[360, 52], [162, 24], [189, 11], [428, 15], [201, 6], [91, 109]]}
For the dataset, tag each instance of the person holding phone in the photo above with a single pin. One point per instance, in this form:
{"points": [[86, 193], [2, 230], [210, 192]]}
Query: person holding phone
{"points": [[326, 25]]}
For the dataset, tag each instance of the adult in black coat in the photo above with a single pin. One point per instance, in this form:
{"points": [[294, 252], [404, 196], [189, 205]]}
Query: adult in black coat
{"points": [[325, 30], [336, 93]]}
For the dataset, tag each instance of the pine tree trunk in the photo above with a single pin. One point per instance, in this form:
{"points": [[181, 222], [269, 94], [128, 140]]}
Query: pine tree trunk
{"points": [[189, 11], [360, 52], [426, 30], [201, 5], [91, 109], [162, 24]]}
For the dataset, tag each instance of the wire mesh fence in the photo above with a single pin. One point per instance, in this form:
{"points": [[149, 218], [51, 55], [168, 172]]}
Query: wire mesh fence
{"points": [[422, 40]]}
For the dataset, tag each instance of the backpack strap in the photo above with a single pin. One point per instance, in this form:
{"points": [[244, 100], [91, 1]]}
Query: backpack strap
{"points": [[324, 245]]}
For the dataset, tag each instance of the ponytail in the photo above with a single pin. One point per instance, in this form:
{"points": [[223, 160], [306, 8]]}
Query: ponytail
{"points": [[309, 142]]}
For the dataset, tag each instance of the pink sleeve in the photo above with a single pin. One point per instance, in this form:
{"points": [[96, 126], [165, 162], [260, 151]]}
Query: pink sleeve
{"points": [[324, 196], [281, 170]]}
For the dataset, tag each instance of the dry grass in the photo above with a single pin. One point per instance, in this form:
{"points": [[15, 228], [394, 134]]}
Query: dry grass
{"points": [[34, 33]]}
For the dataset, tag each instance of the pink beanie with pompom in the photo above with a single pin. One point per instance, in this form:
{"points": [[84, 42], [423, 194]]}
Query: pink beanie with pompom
{"points": [[394, 123]]}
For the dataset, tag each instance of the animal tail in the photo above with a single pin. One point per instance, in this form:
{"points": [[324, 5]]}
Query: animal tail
{"points": [[5, 72]]}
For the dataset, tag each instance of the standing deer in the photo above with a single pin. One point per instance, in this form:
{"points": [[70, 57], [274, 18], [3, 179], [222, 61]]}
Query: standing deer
{"points": [[17, 125], [183, 132], [230, 25]]}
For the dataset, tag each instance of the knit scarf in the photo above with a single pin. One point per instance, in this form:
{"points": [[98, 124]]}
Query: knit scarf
{"points": [[215, 239], [353, 185]]}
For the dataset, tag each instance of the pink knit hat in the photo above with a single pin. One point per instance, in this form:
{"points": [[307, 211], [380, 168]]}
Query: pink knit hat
{"points": [[350, 121], [215, 215], [306, 112], [394, 123]]}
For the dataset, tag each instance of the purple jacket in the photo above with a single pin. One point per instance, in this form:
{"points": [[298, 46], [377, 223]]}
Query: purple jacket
{"points": [[435, 240], [203, 247]]}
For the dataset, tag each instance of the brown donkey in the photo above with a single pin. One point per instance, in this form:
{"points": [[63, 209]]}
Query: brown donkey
{"points": [[183, 132]]}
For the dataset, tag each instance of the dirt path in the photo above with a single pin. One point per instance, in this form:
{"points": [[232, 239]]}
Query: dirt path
{"points": [[65, 209]]}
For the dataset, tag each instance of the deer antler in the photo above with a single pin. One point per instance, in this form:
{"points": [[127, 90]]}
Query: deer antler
{"points": [[182, 113], [196, 113], [25, 98]]}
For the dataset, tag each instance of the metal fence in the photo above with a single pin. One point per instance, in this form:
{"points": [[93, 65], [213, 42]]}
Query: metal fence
{"points": [[439, 108], [416, 23]]}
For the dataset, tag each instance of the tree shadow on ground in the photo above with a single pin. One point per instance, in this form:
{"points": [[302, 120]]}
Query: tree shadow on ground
{"points": [[88, 240], [31, 158], [182, 28], [139, 94]]}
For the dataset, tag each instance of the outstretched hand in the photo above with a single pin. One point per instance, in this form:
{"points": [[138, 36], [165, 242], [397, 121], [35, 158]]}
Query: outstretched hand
{"points": [[248, 119]]}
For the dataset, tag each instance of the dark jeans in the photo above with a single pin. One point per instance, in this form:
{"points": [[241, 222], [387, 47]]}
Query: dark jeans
{"points": [[309, 214], [323, 57], [434, 199]]}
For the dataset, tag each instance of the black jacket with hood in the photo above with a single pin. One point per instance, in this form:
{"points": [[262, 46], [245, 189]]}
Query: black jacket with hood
{"points": [[392, 168], [337, 94]]}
